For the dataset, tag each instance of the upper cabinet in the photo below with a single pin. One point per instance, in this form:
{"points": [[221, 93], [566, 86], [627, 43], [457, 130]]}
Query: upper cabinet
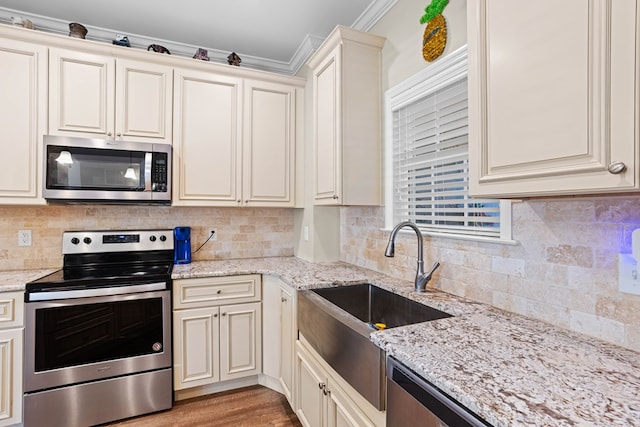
{"points": [[234, 141], [347, 119], [268, 144], [207, 151], [100, 96], [23, 119], [553, 97]]}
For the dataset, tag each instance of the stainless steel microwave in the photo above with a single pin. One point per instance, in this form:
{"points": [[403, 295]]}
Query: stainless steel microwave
{"points": [[106, 171]]}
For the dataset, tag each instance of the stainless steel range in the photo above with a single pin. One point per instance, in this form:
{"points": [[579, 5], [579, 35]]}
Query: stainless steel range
{"points": [[98, 331]]}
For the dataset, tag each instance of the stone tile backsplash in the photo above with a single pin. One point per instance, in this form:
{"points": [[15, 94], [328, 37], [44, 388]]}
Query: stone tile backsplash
{"points": [[563, 270], [242, 232]]}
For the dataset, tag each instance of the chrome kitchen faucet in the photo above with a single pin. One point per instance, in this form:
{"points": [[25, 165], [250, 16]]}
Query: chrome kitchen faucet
{"points": [[421, 277]]}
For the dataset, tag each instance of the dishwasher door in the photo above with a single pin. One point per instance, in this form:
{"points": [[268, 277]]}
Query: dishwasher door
{"points": [[413, 402]]}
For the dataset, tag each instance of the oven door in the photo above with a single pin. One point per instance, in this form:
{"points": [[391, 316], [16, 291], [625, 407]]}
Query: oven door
{"points": [[68, 341]]}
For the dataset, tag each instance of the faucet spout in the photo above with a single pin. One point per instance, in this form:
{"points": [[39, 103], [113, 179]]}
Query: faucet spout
{"points": [[421, 278]]}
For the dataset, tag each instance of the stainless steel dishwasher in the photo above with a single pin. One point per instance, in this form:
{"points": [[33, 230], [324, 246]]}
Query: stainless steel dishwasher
{"points": [[412, 401]]}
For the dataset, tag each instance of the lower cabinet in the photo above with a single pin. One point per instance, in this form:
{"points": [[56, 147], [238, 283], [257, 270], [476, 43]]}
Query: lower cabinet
{"points": [[321, 401], [219, 341], [280, 331], [11, 356]]}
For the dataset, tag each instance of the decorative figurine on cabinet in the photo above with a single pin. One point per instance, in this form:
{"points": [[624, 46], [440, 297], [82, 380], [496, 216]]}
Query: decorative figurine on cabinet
{"points": [[121, 40], [76, 30], [201, 54], [158, 48], [234, 59]]}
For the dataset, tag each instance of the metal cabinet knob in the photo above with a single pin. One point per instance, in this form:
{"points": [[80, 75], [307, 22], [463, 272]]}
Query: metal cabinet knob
{"points": [[283, 299], [335, 197], [224, 314], [118, 135], [215, 315], [108, 133], [321, 386], [219, 291], [617, 167]]}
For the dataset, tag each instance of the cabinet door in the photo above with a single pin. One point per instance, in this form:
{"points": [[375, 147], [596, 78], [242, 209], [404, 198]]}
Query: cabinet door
{"points": [[11, 343], [287, 340], [268, 144], [551, 96], [326, 128], [341, 411], [143, 101], [240, 340], [310, 383], [23, 109], [207, 149], [81, 94], [196, 347]]}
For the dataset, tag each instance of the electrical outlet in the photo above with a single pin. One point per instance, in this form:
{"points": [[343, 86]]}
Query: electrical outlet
{"points": [[24, 237], [215, 234], [628, 276]]}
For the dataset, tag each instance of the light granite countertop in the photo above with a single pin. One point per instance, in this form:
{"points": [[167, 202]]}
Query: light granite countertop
{"points": [[510, 370], [15, 280]]}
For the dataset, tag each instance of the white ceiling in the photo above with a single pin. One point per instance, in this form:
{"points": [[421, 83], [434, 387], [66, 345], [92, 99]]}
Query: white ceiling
{"points": [[275, 35]]}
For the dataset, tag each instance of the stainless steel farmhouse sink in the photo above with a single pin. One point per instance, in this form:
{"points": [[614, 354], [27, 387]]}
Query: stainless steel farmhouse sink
{"points": [[337, 323]]}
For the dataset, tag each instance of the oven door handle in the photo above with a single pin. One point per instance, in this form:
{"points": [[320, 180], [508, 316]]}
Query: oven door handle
{"points": [[96, 292]]}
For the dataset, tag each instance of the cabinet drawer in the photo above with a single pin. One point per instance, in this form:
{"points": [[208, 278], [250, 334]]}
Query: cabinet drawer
{"points": [[11, 309], [211, 291]]}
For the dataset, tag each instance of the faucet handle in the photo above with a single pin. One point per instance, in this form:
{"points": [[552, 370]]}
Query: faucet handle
{"points": [[433, 268]]}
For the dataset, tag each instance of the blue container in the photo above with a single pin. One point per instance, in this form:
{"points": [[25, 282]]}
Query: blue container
{"points": [[182, 245]]}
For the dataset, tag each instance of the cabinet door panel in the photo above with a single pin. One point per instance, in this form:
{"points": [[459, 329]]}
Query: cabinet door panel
{"points": [[82, 93], [310, 404], [144, 101], [11, 342], [326, 125], [240, 340], [545, 82], [207, 151], [23, 84], [288, 338], [196, 347], [269, 135]]}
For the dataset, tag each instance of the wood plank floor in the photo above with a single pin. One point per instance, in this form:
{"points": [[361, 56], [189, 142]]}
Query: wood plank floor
{"points": [[246, 407]]}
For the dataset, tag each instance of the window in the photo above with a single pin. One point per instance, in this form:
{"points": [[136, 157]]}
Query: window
{"points": [[428, 157]]}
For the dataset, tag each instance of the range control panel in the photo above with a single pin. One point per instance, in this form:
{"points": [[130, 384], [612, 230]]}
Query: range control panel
{"points": [[79, 242]]}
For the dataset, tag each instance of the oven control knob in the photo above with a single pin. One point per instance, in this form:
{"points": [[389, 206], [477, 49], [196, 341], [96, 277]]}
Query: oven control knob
{"points": [[163, 237], [87, 240], [152, 238], [156, 346], [75, 240]]}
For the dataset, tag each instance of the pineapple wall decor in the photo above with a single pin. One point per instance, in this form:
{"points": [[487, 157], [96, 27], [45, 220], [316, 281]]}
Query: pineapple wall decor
{"points": [[435, 34]]}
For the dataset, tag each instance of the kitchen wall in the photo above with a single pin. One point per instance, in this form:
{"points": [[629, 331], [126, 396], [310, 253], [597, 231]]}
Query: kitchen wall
{"points": [[242, 232], [564, 267]]}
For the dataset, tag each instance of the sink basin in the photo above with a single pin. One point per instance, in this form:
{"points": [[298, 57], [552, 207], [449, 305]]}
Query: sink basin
{"points": [[372, 305], [336, 323]]}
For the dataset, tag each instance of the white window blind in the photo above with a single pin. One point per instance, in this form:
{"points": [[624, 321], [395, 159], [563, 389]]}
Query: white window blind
{"points": [[430, 166]]}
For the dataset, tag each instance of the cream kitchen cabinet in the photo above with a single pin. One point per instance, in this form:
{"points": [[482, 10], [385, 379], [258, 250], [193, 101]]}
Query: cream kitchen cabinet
{"points": [[268, 160], [321, 401], [207, 149], [217, 333], [11, 357], [279, 326], [23, 119], [347, 119], [553, 97], [99, 96], [234, 141]]}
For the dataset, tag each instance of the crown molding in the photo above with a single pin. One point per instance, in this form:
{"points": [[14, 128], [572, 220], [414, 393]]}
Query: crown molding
{"points": [[309, 45]]}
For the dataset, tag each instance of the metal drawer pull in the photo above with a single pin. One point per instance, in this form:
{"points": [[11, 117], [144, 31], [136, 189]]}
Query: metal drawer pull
{"points": [[617, 167]]}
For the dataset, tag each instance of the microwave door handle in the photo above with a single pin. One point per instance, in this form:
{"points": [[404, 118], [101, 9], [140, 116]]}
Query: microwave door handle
{"points": [[148, 157]]}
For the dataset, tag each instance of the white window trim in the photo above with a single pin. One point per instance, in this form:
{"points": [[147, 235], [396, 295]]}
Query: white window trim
{"points": [[432, 78]]}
